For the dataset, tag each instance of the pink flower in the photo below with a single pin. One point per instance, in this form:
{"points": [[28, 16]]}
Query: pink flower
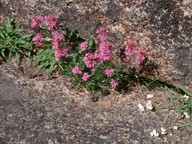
{"points": [[50, 21], [59, 53], [76, 70], [105, 52], [57, 37], [68, 79], [38, 39], [113, 83], [83, 45], [140, 56], [105, 47], [101, 34], [36, 21], [109, 72], [85, 76], [129, 48], [89, 60]]}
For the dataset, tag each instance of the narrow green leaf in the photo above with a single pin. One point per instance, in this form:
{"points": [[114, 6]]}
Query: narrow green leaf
{"points": [[91, 42]]}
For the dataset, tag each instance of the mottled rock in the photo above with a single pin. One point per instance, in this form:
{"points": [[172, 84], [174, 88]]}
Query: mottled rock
{"points": [[163, 27]]}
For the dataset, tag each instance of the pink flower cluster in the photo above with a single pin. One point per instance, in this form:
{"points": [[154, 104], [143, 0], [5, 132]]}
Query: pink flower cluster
{"points": [[109, 72], [85, 76], [77, 70], [38, 20], [140, 54], [59, 53], [56, 40], [129, 48], [90, 60], [101, 34], [104, 54], [83, 45], [37, 39], [105, 51], [113, 83], [50, 21]]}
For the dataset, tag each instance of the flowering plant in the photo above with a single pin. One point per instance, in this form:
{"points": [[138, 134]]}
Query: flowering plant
{"points": [[83, 62]]}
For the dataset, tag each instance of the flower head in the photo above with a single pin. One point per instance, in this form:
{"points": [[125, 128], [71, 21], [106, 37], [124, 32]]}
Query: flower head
{"points": [[109, 72], [141, 107], [186, 97], [76, 70], [175, 127], [83, 45], [140, 56], [60, 53], [149, 105], [37, 39], [50, 21], [163, 131], [89, 60], [85, 76], [186, 115], [105, 52], [154, 133], [129, 48], [113, 83], [36, 21], [101, 34], [57, 38], [149, 96]]}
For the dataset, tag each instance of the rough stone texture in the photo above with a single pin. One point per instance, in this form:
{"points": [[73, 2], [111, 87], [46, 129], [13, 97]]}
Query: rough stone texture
{"points": [[50, 112], [163, 27]]}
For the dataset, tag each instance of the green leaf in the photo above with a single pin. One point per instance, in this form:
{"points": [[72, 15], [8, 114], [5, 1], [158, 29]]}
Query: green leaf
{"points": [[17, 30], [91, 42], [188, 92]]}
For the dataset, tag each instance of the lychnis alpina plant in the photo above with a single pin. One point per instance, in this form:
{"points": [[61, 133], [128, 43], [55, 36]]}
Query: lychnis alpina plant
{"points": [[83, 62]]}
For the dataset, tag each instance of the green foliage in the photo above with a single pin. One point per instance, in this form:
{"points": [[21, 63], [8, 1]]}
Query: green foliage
{"points": [[180, 99], [12, 43], [45, 58]]}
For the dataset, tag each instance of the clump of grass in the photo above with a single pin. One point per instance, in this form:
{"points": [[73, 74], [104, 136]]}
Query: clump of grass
{"points": [[180, 99], [13, 42]]}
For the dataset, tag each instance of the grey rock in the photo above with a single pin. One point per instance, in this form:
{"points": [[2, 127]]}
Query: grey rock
{"points": [[162, 27]]}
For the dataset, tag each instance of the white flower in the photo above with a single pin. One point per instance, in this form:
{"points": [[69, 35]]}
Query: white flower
{"points": [[175, 127], [141, 108], [186, 115], [163, 131], [149, 96], [186, 97], [149, 105], [154, 133]]}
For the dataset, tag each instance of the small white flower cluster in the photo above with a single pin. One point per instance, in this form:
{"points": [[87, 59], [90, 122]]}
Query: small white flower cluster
{"points": [[154, 133], [149, 96], [163, 131], [186, 115], [186, 97], [148, 104], [175, 127], [141, 107]]}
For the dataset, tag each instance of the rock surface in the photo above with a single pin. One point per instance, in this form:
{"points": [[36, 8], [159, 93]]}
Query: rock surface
{"points": [[162, 27], [43, 111]]}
